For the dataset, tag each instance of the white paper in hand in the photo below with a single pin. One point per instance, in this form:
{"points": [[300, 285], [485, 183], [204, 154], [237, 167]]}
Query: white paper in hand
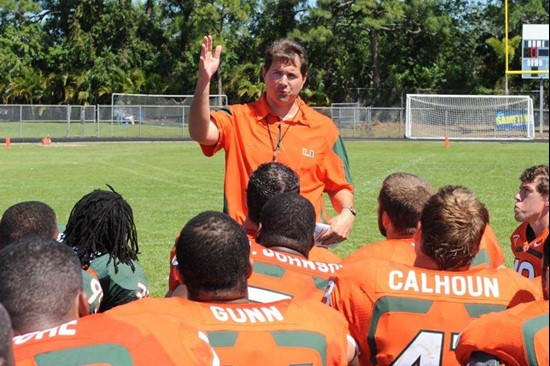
{"points": [[320, 229]]}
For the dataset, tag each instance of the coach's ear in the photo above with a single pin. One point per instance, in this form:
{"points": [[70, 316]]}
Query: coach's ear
{"points": [[81, 303]]}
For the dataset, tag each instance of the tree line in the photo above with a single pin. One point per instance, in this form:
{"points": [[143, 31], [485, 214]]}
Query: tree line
{"points": [[371, 51]]}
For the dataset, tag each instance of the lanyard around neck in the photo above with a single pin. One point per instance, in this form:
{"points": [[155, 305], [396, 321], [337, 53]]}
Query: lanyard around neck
{"points": [[280, 137]]}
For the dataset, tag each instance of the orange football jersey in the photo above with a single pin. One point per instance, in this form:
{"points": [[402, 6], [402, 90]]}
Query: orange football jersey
{"points": [[280, 275], [287, 332], [402, 315], [316, 254], [528, 255], [142, 339], [516, 337], [490, 253]]}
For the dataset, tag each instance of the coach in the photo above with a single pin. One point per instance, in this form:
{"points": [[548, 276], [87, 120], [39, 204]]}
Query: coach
{"points": [[277, 127]]}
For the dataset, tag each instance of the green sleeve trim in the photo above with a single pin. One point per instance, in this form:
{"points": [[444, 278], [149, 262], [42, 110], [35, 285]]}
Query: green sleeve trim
{"points": [[528, 332], [340, 149]]}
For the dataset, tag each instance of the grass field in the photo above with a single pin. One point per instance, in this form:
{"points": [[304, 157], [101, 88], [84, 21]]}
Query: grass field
{"points": [[168, 183]]}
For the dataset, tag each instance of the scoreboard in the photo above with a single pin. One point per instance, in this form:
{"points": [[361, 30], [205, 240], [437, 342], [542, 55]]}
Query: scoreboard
{"points": [[534, 50]]}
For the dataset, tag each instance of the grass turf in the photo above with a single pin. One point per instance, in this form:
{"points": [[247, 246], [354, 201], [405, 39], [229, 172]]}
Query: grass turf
{"points": [[168, 183]]}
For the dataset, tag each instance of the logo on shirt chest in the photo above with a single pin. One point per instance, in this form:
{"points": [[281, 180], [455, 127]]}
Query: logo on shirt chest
{"points": [[308, 153]]}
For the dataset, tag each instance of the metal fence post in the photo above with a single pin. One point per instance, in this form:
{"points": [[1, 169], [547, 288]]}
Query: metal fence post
{"points": [[20, 121], [68, 119], [183, 120]]}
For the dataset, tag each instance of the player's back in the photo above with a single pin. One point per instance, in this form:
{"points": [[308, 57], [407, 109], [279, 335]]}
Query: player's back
{"points": [[279, 275], [404, 314], [106, 339], [121, 284], [287, 332], [517, 337], [401, 250], [392, 250]]}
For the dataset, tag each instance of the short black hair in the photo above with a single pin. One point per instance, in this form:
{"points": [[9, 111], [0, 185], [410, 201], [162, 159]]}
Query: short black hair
{"points": [[265, 182], [39, 277], [102, 222], [6, 335], [288, 220], [27, 218], [213, 254]]}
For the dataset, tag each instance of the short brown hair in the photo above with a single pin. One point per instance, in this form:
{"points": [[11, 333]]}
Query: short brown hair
{"points": [[403, 197], [537, 171], [286, 50], [453, 222]]}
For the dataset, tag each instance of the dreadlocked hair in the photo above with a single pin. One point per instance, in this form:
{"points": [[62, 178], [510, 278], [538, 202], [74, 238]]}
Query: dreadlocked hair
{"points": [[100, 223]]}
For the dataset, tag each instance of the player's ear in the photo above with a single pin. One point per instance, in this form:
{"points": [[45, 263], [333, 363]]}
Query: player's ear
{"points": [[250, 267], [258, 234], [386, 221], [81, 302], [418, 235]]}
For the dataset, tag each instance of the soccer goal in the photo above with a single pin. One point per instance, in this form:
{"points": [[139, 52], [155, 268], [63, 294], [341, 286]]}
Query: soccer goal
{"points": [[469, 117]]}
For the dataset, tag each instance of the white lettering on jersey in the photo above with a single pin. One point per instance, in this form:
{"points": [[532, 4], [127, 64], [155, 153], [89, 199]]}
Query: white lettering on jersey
{"points": [[473, 286], [61, 330], [262, 314], [301, 262]]}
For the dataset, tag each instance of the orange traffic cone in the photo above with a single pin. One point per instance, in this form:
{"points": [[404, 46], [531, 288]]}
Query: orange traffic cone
{"points": [[446, 142], [8, 142], [46, 140]]}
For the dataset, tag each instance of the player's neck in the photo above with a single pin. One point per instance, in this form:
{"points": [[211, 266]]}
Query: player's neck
{"points": [[43, 323], [287, 250], [539, 224], [219, 298]]}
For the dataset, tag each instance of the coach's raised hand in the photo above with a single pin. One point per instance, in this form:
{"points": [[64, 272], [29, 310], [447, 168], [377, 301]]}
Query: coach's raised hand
{"points": [[209, 61], [201, 129]]}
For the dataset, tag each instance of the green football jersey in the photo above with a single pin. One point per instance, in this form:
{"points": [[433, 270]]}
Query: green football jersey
{"points": [[93, 290], [119, 286]]}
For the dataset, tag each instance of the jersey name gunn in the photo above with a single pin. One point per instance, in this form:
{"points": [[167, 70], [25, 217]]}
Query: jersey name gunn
{"points": [[262, 314]]}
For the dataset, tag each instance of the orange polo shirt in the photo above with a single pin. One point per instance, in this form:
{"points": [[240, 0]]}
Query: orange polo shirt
{"points": [[309, 144]]}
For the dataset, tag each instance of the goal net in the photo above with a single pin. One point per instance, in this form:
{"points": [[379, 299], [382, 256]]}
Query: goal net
{"points": [[157, 110], [469, 117]]}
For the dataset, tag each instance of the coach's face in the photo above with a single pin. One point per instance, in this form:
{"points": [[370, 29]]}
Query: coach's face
{"points": [[283, 81], [530, 204]]}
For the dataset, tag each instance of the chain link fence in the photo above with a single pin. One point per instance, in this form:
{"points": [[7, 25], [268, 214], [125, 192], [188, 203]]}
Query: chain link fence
{"points": [[170, 122]]}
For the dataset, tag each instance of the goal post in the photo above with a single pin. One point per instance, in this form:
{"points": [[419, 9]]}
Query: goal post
{"points": [[469, 117]]}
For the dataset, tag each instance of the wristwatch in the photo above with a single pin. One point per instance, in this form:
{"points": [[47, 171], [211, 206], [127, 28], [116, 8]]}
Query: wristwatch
{"points": [[351, 209]]}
